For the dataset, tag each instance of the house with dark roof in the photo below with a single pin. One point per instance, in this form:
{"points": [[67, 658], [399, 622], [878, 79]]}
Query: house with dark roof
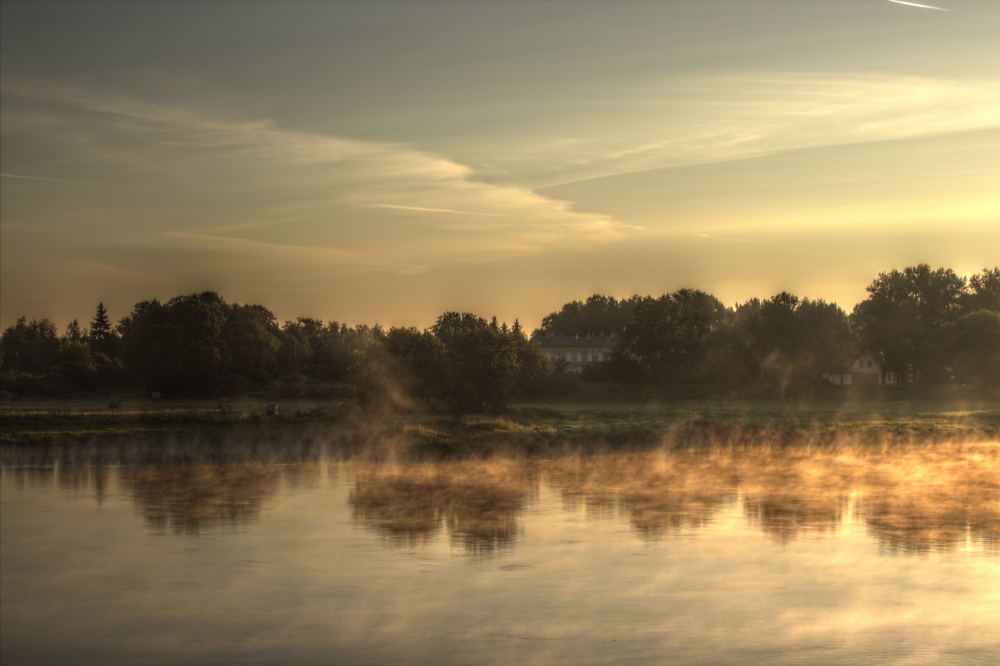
{"points": [[869, 368]]}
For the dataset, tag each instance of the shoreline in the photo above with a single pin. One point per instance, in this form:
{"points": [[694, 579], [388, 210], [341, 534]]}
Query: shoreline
{"points": [[531, 428]]}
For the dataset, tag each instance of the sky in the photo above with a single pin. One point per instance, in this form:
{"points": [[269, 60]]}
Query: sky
{"points": [[387, 161]]}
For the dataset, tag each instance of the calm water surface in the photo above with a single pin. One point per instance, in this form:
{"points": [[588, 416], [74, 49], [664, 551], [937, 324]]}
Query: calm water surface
{"points": [[153, 554]]}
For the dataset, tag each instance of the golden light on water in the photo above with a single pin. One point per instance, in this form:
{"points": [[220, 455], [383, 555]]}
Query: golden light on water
{"points": [[913, 497], [725, 554]]}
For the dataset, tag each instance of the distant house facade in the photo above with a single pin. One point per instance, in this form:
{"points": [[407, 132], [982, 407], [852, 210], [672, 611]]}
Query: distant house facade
{"points": [[867, 369], [577, 351]]}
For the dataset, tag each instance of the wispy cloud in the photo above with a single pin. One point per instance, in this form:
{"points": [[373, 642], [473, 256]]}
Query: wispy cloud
{"points": [[682, 121], [916, 4], [435, 210], [229, 185]]}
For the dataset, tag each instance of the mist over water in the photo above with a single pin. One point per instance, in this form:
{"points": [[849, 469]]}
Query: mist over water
{"points": [[179, 553]]}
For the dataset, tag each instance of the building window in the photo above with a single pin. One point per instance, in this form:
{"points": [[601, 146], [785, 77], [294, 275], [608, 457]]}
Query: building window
{"points": [[600, 356], [590, 357], [579, 357]]}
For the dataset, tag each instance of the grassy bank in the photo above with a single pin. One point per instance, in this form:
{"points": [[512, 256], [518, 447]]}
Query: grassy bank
{"points": [[692, 418]]}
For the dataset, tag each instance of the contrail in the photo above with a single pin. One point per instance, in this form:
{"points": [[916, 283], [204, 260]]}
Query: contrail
{"points": [[55, 180], [436, 210], [914, 4]]}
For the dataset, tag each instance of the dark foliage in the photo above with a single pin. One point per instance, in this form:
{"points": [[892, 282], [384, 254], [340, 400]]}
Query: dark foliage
{"points": [[598, 315], [102, 335], [177, 347], [904, 309], [971, 347], [943, 324], [29, 347], [190, 344], [792, 339], [481, 361], [322, 351], [983, 292], [668, 337]]}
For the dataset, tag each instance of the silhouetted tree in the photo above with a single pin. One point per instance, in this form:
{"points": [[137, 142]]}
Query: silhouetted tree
{"points": [[599, 314], [398, 368], [103, 337], [726, 359], [322, 351], [667, 336], [177, 346], [422, 357], [904, 309], [794, 339], [30, 346], [983, 292], [73, 331], [971, 346], [483, 360], [76, 363], [251, 337]]}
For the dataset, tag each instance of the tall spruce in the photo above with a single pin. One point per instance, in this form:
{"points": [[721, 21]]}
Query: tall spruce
{"points": [[100, 327], [103, 337]]}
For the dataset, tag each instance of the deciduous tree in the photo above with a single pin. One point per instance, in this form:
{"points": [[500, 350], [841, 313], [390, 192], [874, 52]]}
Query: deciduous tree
{"points": [[971, 347], [30, 346], [904, 309], [667, 335]]}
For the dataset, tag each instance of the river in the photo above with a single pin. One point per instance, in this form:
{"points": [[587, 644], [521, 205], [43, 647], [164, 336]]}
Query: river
{"points": [[152, 553]]}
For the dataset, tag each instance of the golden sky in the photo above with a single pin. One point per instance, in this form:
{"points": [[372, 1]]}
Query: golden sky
{"points": [[386, 161]]}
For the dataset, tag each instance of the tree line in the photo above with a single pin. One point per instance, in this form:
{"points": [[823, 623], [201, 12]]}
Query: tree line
{"points": [[945, 325], [198, 344]]}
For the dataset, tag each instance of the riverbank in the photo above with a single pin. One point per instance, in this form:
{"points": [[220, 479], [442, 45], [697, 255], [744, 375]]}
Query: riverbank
{"points": [[531, 428]]}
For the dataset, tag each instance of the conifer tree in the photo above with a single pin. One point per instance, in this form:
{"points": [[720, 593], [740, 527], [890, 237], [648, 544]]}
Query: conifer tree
{"points": [[102, 334], [100, 327]]}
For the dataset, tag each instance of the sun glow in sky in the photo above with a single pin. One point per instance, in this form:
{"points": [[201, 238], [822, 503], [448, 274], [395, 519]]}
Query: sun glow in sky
{"points": [[386, 161]]}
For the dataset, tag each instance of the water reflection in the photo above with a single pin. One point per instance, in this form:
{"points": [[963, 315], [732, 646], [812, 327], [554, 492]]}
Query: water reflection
{"points": [[192, 498], [478, 504], [663, 493], [30, 477], [785, 517], [909, 498]]}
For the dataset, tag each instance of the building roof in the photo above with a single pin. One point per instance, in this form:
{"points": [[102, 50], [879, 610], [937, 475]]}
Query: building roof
{"points": [[573, 341]]}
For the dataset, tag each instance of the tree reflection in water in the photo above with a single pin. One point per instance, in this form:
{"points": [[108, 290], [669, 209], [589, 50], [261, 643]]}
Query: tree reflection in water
{"points": [[190, 498], [909, 497], [478, 503]]}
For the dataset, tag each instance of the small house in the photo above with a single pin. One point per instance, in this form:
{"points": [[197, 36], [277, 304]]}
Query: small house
{"points": [[867, 368]]}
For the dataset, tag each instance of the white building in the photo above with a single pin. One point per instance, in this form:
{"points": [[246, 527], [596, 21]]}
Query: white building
{"points": [[867, 369], [577, 351]]}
